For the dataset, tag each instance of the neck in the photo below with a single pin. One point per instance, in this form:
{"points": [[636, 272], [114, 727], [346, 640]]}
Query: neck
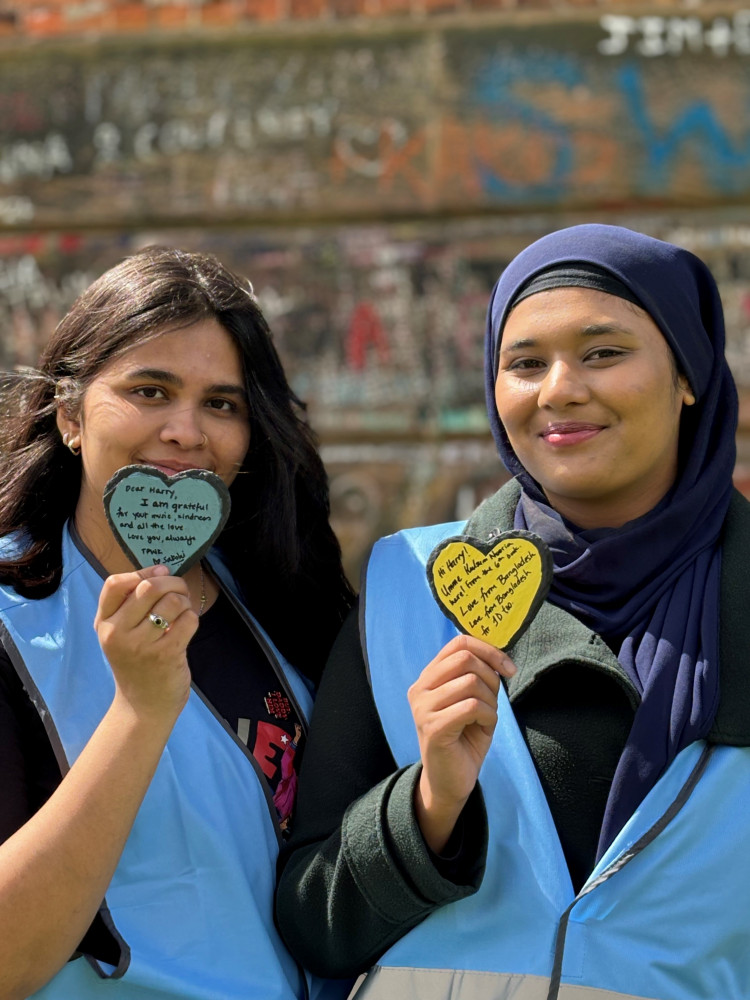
{"points": [[597, 513]]}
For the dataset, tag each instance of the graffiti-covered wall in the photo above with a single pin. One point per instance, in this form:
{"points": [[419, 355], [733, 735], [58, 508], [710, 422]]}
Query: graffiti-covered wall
{"points": [[373, 184], [381, 331], [600, 112]]}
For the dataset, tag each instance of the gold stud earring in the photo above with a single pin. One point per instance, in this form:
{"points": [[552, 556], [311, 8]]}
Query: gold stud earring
{"points": [[73, 444]]}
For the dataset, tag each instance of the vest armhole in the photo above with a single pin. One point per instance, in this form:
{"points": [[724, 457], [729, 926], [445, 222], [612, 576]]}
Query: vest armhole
{"points": [[40, 705], [36, 698], [102, 969]]}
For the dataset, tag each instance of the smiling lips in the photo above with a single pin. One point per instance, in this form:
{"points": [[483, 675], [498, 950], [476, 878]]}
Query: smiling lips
{"points": [[569, 433], [171, 468]]}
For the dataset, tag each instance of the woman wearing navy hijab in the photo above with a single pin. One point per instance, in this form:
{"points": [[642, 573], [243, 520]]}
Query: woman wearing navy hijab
{"points": [[600, 853]]}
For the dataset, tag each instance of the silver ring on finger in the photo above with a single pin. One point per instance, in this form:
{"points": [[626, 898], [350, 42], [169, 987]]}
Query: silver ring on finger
{"points": [[159, 620]]}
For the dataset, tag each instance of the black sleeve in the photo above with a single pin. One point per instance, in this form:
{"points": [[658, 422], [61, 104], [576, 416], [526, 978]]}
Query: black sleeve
{"points": [[28, 770], [29, 774], [357, 874]]}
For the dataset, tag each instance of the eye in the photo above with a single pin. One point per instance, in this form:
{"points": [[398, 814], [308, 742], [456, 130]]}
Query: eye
{"points": [[605, 354], [223, 405], [523, 365], [150, 392]]}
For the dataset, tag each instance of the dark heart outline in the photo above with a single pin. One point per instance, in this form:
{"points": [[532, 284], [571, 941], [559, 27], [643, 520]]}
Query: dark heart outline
{"points": [[485, 548], [202, 474]]}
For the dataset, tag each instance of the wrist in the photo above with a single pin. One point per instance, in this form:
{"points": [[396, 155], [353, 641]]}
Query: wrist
{"points": [[436, 815], [155, 719]]}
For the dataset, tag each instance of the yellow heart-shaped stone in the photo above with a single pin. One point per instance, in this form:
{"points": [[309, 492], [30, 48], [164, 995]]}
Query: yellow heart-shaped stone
{"points": [[491, 590]]}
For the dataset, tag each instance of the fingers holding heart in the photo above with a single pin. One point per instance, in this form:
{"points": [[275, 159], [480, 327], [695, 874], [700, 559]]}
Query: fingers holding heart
{"points": [[166, 612], [147, 657], [454, 705], [128, 599], [465, 654], [491, 591], [460, 702], [165, 615], [458, 688]]}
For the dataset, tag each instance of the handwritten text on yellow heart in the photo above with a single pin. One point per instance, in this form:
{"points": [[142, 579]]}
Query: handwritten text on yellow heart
{"points": [[494, 594]]}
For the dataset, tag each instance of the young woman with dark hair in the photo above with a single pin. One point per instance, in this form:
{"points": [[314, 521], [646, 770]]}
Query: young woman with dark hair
{"points": [[141, 769], [567, 818]]}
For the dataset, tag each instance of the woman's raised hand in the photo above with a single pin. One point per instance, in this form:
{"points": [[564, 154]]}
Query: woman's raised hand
{"points": [[454, 704], [149, 663]]}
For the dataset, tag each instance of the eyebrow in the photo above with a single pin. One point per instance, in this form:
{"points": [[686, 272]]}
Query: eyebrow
{"points": [[162, 375], [593, 330]]}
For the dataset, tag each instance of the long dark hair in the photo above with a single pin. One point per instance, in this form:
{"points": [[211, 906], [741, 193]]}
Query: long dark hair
{"points": [[278, 531]]}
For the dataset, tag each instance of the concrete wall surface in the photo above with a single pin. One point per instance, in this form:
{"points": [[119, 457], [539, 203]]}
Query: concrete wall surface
{"points": [[371, 165]]}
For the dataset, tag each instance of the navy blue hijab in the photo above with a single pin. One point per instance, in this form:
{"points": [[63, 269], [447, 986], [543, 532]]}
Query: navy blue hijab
{"points": [[654, 582]]}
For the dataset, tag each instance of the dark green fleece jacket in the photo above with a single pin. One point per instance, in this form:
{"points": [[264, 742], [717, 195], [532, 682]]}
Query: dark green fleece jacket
{"points": [[357, 874]]}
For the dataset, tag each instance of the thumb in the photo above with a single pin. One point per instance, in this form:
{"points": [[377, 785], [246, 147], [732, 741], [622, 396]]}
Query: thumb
{"points": [[148, 572], [117, 588]]}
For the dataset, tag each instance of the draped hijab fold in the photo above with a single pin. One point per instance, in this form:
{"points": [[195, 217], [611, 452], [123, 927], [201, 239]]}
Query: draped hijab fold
{"points": [[651, 585]]}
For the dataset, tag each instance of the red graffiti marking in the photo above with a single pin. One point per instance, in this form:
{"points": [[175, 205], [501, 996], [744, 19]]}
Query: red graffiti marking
{"points": [[365, 330], [385, 153], [596, 158], [12, 245], [457, 168], [20, 113], [70, 242], [516, 154], [398, 163]]}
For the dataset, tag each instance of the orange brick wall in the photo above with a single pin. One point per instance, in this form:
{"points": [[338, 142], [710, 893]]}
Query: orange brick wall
{"points": [[36, 19]]}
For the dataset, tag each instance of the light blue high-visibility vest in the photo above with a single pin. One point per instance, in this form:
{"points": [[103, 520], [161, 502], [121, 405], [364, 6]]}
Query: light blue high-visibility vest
{"points": [[664, 915], [191, 900]]}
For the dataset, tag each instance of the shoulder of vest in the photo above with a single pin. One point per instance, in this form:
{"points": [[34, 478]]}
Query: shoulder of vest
{"points": [[409, 545], [10, 545], [10, 598]]}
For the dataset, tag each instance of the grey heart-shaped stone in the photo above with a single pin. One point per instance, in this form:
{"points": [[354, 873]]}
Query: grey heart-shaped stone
{"points": [[158, 518]]}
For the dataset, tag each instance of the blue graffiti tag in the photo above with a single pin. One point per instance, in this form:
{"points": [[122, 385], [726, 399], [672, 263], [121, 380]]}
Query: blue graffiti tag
{"points": [[493, 93], [695, 131], [697, 127]]}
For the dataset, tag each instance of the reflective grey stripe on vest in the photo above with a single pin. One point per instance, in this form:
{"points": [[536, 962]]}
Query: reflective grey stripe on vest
{"points": [[447, 984]]}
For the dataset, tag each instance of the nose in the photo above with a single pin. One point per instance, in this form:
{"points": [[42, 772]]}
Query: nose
{"points": [[183, 428], [562, 385]]}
